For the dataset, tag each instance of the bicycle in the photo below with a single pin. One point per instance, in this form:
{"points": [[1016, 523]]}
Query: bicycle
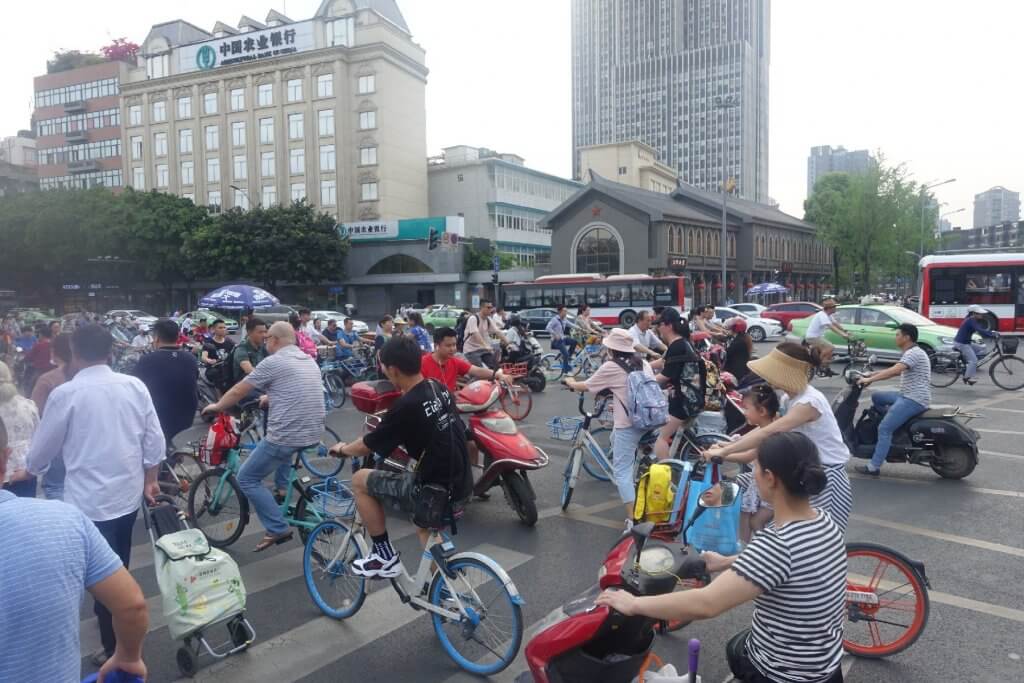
{"points": [[217, 505], [1006, 368], [178, 472], [475, 607], [516, 399], [581, 365]]}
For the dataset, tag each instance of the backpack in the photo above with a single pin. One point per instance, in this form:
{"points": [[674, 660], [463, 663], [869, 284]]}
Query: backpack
{"points": [[655, 494], [712, 387], [305, 344], [646, 404], [460, 330]]}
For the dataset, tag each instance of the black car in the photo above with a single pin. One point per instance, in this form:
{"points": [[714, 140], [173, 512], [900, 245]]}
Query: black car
{"points": [[537, 318]]}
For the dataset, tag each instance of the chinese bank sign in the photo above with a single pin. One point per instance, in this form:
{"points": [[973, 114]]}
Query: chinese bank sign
{"points": [[407, 229], [246, 47]]}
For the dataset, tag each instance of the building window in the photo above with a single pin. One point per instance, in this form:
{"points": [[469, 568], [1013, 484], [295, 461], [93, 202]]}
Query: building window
{"points": [[325, 122], [212, 138], [213, 170], [295, 90], [265, 94], [266, 131], [158, 66], [297, 161], [139, 178], [623, 170], [240, 170], [367, 120], [267, 164], [269, 195], [238, 133], [135, 115], [238, 99], [598, 252], [295, 126], [325, 85], [160, 144], [327, 161], [214, 201], [210, 103], [328, 193], [368, 192], [341, 31], [191, 196], [185, 141], [184, 107], [298, 191], [368, 156], [241, 199], [161, 175], [136, 147], [367, 85], [159, 111], [187, 173]]}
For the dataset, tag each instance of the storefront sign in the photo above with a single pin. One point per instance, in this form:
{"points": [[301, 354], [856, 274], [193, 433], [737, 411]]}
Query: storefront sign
{"points": [[406, 229], [677, 264], [246, 47]]}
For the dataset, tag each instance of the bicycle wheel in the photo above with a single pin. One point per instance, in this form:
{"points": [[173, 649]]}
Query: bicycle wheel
{"points": [[326, 564], [1008, 373], [217, 506], [182, 470], [551, 366], [571, 476], [336, 391], [517, 401], [488, 641], [318, 461], [590, 463], [946, 368], [702, 442], [887, 602]]}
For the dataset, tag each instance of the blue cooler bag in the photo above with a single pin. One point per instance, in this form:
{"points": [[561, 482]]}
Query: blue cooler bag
{"points": [[717, 529]]}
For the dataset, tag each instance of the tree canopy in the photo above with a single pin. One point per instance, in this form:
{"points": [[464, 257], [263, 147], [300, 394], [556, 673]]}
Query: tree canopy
{"points": [[66, 60]]}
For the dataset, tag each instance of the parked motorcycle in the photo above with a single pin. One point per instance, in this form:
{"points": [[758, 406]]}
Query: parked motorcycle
{"points": [[937, 438], [528, 352], [506, 455]]}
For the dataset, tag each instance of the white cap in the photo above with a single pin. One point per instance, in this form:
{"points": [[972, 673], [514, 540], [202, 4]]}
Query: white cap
{"points": [[975, 308]]}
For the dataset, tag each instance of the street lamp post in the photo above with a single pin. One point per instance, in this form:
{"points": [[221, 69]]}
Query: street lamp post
{"points": [[724, 104], [924, 197], [248, 202]]}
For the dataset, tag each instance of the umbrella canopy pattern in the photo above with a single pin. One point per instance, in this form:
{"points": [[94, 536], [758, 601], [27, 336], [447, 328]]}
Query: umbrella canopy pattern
{"points": [[237, 297], [767, 288]]}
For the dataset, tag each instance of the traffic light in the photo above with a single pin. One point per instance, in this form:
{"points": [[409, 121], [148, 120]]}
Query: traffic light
{"points": [[433, 239], [494, 278]]}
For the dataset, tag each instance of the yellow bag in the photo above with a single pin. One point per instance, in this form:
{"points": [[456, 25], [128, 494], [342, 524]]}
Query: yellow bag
{"points": [[654, 495]]}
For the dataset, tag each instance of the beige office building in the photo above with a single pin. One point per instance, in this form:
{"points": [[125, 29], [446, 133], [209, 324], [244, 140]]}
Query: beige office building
{"points": [[630, 163], [331, 109]]}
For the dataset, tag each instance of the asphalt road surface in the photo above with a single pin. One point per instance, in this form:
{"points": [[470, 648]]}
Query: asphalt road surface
{"points": [[969, 534]]}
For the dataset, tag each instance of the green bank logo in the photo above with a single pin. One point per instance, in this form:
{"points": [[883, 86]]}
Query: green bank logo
{"points": [[206, 58]]}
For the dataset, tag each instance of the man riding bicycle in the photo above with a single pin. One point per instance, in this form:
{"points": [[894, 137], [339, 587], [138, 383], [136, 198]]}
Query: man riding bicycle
{"points": [[443, 365], [425, 423], [823, 321], [963, 340]]}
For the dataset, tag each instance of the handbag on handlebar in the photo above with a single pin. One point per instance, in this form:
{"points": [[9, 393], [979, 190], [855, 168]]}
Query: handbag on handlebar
{"points": [[433, 505], [717, 529]]}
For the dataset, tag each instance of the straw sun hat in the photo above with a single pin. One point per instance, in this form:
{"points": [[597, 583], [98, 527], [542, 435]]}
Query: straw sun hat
{"points": [[782, 371], [619, 340]]}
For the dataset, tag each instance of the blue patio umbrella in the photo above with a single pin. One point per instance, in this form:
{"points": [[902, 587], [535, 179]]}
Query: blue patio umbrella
{"points": [[767, 288], [237, 297]]}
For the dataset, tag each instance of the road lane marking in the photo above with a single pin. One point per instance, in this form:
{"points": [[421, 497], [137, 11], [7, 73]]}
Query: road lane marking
{"points": [[997, 431], [322, 641], [1007, 410], [997, 454], [907, 480], [941, 536]]}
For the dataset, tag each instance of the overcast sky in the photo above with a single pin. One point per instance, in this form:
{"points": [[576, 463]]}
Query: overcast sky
{"points": [[934, 84]]}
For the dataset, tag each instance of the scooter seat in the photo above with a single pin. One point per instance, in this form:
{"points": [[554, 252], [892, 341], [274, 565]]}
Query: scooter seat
{"points": [[940, 411]]}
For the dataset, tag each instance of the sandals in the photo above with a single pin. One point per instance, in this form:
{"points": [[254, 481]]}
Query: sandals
{"points": [[269, 540]]}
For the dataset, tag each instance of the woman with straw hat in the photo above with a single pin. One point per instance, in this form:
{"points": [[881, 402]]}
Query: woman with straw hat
{"points": [[612, 376], [806, 411]]}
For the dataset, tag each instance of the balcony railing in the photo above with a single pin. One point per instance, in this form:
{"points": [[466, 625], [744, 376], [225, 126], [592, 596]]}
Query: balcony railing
{"points": [[77, 137], [74, 107], [83, 166]]}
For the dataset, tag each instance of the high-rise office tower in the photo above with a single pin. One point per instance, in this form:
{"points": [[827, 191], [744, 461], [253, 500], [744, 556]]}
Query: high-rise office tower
{"points": [[996, 205], [656, 70], [825, 159]]}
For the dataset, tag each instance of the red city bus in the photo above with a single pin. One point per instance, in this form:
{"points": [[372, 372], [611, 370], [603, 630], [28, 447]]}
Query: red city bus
{"points": [[614, 300], [995, 281]]}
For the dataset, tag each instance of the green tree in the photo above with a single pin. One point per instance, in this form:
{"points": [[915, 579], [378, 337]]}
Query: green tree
{"points": [[474, 259], [277, 244], [65, 60]]}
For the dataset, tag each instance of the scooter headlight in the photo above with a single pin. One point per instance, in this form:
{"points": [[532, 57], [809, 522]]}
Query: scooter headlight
{"points": [[656, 560]]}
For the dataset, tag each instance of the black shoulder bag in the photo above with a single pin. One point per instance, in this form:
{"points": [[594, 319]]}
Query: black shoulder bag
{"points": [[432, 503]]}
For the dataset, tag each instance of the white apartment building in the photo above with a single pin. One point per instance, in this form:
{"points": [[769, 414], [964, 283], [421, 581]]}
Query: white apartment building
{"points": [[330, 109], [996, 205]]}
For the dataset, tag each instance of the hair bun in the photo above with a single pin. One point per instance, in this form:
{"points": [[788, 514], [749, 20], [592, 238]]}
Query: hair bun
{"points": [[812, 478]]}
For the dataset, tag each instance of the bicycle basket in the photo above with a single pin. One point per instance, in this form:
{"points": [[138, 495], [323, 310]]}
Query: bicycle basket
{"points": [[1009, 345], [564, 428], [333, 498]]}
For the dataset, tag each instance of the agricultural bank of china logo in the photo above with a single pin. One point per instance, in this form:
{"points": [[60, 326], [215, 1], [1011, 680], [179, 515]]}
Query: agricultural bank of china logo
{"points": [[206, 57]]}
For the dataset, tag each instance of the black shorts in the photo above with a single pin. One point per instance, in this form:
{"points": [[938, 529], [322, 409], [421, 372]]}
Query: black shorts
{"points": [[392, 489]]}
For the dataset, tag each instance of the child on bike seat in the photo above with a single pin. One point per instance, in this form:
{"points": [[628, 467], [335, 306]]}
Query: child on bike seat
{"points": [[761, 408]]}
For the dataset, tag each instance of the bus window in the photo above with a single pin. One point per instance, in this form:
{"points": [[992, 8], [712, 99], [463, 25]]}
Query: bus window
{"points": [[988, 288], [944, 289], [553, 297], [665, 293], [643, 294], [534, 298], [597, 296], [573, 296], [618, 295], [514, 298], [1020, 289]]}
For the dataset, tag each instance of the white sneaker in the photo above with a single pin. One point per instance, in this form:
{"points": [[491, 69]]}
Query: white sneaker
{"points": [[373, 566], [629, 526]]}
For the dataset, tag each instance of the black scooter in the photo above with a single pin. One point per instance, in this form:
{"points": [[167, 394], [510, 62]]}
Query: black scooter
{"points": [[529, 352], [937, 438]]}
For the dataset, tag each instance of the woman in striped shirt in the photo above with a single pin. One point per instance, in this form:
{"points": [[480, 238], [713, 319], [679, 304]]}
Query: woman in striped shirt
{"points": [[794, 570]]}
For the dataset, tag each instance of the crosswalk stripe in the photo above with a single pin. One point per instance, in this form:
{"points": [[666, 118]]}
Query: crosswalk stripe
{"points": [[308, 648], [941, 536]]}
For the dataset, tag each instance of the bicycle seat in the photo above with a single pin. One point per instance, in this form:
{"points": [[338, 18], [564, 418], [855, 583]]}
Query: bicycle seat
{"points": [[940, 410]]}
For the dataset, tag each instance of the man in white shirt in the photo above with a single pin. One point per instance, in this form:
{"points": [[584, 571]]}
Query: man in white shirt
{"points": [[105, 428], [477, 337], [644, 339], [823, 321], [143, 340], [307, 325]]}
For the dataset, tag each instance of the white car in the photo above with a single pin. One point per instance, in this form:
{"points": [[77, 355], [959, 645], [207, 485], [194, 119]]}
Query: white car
{"points": [[749, 308], [358, 326], [141, 317], [758, 328]]}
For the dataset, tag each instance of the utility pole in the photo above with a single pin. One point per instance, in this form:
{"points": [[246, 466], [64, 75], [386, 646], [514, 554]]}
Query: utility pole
{"points": [[724, 104]]}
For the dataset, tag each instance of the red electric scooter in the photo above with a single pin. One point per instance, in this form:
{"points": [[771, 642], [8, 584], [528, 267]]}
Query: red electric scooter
{"points": [[505, 453]]}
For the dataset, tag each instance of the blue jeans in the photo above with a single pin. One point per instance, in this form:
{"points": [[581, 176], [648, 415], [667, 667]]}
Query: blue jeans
{"points": [[267, 457], [566, 346], [624, 443], [971, 354], [898, 411], [53, 480]]}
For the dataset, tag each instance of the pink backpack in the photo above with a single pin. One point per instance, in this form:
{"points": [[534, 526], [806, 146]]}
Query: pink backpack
{"points": [[307, 345]]}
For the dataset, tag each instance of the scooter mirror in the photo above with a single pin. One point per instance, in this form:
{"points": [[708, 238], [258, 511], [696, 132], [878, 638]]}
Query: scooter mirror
{"points": [[722, 494]]}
